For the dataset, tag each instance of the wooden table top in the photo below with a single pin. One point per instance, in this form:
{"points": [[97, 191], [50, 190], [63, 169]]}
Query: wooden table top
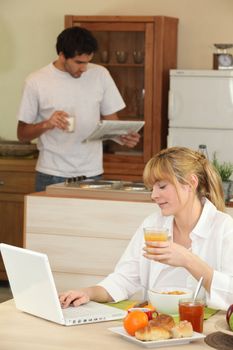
{"points": [[19, 330]]}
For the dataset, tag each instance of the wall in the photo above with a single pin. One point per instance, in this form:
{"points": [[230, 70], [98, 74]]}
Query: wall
{"points": [[28, 31]]}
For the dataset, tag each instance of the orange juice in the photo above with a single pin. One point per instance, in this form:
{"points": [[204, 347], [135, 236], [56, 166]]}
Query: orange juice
{"points": [[153, 235]]}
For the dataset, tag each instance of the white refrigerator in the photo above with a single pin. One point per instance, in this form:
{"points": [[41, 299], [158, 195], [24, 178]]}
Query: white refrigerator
{"points": [[200, 111]]}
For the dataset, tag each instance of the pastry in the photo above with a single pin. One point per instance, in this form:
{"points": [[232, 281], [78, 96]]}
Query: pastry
{"points": [[151, 332], [182, 330], [165, 321]]}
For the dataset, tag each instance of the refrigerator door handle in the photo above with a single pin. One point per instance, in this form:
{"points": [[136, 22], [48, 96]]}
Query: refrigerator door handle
{"points": [[171, 105]]}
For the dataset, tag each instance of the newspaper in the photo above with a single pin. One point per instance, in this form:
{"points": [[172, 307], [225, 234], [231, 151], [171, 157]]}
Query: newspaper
{"points": [[112, 129]]}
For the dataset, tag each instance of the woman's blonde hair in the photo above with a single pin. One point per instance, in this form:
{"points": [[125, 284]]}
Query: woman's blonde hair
{"points": [[176, 164]]}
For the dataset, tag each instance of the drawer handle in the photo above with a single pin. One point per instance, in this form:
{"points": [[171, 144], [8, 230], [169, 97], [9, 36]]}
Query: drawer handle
{"points": [[1, 182]]}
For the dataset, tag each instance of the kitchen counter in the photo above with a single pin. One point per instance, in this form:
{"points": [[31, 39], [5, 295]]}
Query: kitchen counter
{"points": [[103, 189], [83, 237]]}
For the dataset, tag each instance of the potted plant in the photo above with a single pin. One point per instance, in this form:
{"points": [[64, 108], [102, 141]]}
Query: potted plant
{"points": [[225, 171]]}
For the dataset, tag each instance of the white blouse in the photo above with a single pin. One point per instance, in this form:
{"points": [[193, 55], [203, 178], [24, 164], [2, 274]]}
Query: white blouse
{"points": [[212, 241]]}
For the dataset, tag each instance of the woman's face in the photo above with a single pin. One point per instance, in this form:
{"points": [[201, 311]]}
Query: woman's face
{"points": [[170, 199]]}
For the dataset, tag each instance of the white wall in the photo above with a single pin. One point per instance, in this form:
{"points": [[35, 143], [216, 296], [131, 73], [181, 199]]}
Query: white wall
{"points": [[28, 31]]}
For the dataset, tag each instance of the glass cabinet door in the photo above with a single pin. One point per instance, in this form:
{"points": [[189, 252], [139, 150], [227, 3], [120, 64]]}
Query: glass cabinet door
{"points": [[138, 51], [125, 49]]}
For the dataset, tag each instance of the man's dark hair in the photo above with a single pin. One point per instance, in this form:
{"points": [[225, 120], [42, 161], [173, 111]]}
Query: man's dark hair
{"points": [[76, 41]]}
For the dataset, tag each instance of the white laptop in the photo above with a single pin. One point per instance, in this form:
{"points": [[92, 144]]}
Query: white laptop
{"points": [[34, 290]]}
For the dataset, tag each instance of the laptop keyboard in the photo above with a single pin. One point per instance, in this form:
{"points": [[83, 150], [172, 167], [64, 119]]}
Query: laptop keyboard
{"points": [[91, 312]]}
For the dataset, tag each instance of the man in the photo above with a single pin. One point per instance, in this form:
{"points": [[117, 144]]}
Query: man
{"points": [[69, 86]]}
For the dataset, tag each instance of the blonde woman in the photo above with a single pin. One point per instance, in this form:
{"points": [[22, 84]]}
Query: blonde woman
{"points": [[188, 191]]}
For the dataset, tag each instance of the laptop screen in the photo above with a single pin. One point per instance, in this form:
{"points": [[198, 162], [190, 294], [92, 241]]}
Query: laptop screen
{"points": [[34, 290]]}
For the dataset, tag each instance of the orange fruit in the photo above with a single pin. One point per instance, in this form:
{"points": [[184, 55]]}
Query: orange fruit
{"points": [[134, 321]]}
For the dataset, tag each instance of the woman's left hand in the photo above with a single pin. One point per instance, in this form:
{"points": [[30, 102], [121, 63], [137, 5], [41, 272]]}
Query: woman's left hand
{"points": [[168, 252]]}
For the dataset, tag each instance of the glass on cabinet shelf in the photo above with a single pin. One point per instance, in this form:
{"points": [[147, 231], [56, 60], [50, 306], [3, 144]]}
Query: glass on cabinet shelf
{"points": [[120, 47]]}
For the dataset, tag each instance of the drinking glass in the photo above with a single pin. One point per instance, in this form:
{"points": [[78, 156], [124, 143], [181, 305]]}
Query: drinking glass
{"points": [[193, 311], [138, 56], [104, 56], [121, 56], [153, 234]]}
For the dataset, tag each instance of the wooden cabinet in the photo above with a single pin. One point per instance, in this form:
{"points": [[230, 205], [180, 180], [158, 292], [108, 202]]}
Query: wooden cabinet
{"points": [[17, 178], [138, 52]]}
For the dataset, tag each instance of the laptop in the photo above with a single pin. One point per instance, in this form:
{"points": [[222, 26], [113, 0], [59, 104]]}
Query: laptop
{"points": [[34, 290]]}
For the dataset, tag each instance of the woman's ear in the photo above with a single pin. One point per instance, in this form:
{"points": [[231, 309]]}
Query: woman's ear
{"points": [[193, 181]]}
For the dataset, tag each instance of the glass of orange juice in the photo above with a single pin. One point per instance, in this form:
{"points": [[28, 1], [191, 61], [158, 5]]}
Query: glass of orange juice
{"points": [[153, 234]]}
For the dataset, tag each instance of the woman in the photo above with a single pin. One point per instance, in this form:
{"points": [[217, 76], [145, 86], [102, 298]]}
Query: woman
{"points": [[188, 191]]}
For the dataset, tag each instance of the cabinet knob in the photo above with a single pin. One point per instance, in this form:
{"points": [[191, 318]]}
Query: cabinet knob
{"points": [[1, 182]]}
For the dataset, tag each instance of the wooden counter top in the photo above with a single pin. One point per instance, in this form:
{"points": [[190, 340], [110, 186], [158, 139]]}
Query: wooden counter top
{"points": [[17, 164]]}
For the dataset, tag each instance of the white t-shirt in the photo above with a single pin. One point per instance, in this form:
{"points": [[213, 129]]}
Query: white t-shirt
{"points": [[212, 241], [87, 98]]}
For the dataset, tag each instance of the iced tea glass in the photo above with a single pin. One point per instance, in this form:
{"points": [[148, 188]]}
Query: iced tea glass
{"points": [[192, 311], [155, 234]]}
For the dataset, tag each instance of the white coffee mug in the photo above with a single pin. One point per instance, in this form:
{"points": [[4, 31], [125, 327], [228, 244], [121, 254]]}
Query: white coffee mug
{"points": [[71, 126]]}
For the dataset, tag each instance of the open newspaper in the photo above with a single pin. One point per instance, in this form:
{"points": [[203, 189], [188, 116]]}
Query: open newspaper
{"points": [[112, 129]]}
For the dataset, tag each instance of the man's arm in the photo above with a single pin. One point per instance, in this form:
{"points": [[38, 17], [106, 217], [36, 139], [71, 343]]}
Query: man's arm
{"points": [[113, 116], [28, 132]]}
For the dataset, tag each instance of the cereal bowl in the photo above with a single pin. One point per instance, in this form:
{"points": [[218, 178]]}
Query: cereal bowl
{"points": [[166, 299]]}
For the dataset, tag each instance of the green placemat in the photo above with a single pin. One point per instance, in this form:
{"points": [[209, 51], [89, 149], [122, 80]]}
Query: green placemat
{"points": [[126, 304], [209, 312]]}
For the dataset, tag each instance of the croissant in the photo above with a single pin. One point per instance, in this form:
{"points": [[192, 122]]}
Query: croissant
{"points": [[157, 329], [182, 330], [163, 320], [163, 327], [152, 333]]}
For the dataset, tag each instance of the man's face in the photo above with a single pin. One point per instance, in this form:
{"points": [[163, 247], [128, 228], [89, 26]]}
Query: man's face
{"points": [[76, 65]]}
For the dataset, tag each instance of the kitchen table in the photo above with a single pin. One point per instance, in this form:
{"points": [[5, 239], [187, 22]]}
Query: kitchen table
{"points": [[19, 330]]}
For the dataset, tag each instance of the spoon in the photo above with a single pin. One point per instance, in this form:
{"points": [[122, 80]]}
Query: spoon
{"points": [[198, 288]]}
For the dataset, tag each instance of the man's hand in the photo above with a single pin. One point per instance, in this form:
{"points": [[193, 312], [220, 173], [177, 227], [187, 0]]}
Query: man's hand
{"points": [[59, 119], [130, 140]]}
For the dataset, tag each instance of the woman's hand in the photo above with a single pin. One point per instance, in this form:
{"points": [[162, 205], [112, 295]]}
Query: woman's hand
{"points": [[168, 252], [74, 298]]}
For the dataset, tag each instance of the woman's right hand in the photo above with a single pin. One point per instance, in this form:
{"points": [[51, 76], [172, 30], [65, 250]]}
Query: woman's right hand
{"points": [[74, 298]]}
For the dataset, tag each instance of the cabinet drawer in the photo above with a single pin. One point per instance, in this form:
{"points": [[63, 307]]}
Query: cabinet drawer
{"points": [[17, 182]]}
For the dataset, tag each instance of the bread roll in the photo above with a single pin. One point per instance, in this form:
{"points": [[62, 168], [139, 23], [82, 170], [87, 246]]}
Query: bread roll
{"points": [[165, 321], [151, 332], [182, 330]]}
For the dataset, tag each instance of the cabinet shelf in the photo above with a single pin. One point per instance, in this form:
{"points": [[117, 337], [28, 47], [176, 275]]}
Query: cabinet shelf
{"points": [[143, 86], [122, 65]]}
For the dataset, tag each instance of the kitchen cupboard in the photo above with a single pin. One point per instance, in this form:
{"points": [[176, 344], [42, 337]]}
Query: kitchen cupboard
{"points": [[17, 178], [138, 51]]}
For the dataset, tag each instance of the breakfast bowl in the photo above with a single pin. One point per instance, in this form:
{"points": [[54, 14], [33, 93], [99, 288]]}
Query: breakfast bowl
{"points": [[166, 299]]}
